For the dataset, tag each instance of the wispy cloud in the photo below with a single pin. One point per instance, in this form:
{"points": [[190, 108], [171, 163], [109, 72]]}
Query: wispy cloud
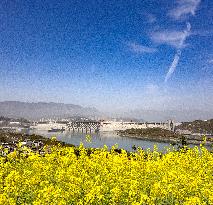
{"points": [[203, 33], [210, 61], [170, 37], [178, 53], [184, 8], [151, 18], [138, 48], [175, 39]]}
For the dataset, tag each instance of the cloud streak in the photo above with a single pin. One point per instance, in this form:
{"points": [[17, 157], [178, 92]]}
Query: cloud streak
{"points": [[173, 66], [184, 8], [138, 48], [176, 59]]}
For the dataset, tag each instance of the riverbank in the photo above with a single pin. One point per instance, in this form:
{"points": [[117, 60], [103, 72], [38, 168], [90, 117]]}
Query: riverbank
{"points": [[166, 136], [11, 141]]}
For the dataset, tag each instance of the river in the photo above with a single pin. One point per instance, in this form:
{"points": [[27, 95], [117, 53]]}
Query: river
{"points": [[98, 140]]}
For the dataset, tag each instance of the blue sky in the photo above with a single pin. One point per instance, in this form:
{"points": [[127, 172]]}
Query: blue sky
{"points": [[108, 54]]}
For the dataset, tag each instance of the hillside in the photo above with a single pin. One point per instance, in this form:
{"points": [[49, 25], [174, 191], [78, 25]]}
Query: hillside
{"points": [[198, 126], [16, 109]]}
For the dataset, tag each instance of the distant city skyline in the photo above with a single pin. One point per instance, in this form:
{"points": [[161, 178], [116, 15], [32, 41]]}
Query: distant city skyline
{"points": [[111, 55]]}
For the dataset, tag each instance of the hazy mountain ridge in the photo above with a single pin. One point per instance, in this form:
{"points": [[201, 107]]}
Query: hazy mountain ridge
{"points": [[17, 109], [39, 110], [163, 115]]}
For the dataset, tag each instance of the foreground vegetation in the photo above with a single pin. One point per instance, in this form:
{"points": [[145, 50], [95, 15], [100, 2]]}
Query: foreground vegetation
{"points": [[61, 176]]}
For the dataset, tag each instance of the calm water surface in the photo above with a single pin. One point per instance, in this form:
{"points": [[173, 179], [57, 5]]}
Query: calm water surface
{"points": [[100, 139]]}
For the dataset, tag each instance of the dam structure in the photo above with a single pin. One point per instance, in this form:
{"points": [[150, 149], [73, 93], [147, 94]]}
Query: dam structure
{"points": [[84, 126], [115, 126], [101, 126]]}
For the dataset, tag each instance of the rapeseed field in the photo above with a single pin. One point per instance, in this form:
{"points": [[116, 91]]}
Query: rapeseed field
{"points": [[60, 176]]}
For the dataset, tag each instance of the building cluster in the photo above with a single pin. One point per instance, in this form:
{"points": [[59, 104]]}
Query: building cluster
{"points": [[7, 147], [81, 124], [10, 124]]}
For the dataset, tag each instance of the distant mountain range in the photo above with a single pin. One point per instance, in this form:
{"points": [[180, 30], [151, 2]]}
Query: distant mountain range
{"points": [[33, 111], [163, 115]]}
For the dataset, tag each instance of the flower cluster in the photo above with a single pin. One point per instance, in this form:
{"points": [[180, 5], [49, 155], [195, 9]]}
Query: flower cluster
{"points": [[107, 177]]}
